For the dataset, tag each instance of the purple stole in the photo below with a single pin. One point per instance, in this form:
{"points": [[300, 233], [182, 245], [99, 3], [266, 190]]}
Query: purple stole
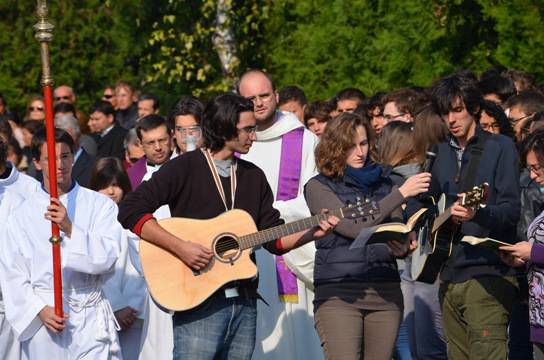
{"points": [[288, 183], [137, 172]]}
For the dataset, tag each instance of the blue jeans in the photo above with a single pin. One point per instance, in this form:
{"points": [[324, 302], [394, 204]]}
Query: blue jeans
{"points": [[218, 329]]}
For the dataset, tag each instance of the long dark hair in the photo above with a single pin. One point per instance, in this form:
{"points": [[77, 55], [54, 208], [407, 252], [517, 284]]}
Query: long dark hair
{"points": [[497, 113], [107, 171], [220, 118]]}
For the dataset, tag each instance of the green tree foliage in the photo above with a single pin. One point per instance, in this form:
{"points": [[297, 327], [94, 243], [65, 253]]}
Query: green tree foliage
{"points": [[93, 45], [180, 54], [166, 46], [324, 46]]}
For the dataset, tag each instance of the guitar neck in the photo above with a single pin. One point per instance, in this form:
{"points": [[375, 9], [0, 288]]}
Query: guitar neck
{"points": [[276, 232]]}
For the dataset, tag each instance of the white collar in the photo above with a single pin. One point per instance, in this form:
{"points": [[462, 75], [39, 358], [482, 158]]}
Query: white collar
{"points": [[13, 175], [105, 132], [285, 122]]}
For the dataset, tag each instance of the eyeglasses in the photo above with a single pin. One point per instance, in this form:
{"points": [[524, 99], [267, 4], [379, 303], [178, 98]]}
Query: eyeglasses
{"points": [[515, 121], [489, 126], [150, 143], [266, 97], [59, 98], [35, 108], [537, 169], [108, 96], [189, 130], [390, 118], [249, 129]]}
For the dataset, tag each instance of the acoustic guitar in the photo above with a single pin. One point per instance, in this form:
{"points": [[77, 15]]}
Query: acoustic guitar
{"points": [[438, 235], [175, 286]]}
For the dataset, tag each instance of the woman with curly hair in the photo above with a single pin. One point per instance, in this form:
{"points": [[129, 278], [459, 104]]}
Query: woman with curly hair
{"points": [[358, 302]]}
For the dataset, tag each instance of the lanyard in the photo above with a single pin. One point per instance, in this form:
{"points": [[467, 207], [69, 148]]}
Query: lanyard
{"points": [[217, 179]]}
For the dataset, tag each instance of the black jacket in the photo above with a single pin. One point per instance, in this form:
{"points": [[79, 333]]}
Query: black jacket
{"points": [[498, 167], [111, 144], [81, 171]]}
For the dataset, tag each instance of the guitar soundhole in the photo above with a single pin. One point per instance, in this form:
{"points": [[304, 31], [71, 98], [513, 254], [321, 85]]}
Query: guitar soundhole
{"points": [[226, 248]]}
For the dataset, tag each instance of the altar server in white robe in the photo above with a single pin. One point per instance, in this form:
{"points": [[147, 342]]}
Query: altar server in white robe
{"points": [[90, 247], [126, 288], [13, 180], [285, 327], [10, 348], [14, 186]]}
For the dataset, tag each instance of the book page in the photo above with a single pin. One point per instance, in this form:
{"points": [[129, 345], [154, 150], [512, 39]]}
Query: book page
{"points": [[486, 242]]}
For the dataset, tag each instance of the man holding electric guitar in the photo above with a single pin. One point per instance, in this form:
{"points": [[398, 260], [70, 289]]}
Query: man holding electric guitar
{"points": [[477, 289], [215, 316]]}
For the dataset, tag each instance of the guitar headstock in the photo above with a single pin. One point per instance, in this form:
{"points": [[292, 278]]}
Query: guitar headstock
{"points": [[361, 209], [475, 198]]}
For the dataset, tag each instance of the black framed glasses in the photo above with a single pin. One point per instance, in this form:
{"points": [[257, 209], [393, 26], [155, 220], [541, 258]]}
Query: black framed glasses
{"points": [[59, 98], [489, 126], [514, 121], [249, 129]]}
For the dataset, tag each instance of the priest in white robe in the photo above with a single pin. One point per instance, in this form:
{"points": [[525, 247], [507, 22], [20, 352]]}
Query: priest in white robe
{"points": [[90, 247], [285, 327]]}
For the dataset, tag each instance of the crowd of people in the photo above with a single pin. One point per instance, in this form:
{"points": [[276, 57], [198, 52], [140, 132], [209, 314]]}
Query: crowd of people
{"points": [[122, 167]]}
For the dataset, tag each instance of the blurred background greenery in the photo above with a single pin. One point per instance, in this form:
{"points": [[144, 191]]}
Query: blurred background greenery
{"points": [[170, 48]]}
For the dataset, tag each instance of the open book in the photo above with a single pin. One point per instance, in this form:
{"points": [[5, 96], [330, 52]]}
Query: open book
{"points": [[388, 231], [486, 242]]}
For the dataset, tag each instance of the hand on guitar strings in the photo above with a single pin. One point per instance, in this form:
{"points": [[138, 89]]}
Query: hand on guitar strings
{"points": [[194, 255], [520, 250], [460, 213]]}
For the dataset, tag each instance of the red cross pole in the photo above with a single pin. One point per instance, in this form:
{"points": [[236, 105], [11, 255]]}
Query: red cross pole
{"points": [[44, 34]]}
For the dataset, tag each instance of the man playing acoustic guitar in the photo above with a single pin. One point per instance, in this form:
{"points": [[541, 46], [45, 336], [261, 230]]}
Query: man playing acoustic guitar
{"points": [[202, 185], [477, 289]]}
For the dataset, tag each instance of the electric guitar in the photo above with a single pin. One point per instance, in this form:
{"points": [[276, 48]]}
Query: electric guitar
{"points": [[177, 287], [438, 235]]}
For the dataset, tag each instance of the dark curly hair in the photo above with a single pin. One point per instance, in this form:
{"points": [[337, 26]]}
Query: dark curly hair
{"points": [[338, 139]]}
